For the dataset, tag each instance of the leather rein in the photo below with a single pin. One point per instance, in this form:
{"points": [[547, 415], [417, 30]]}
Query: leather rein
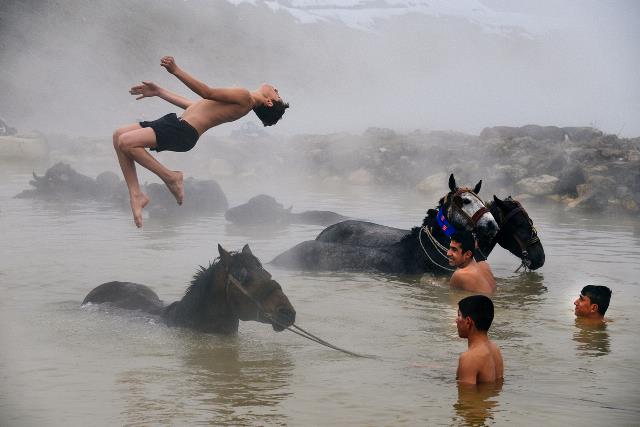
{"points": [[231, 279]]}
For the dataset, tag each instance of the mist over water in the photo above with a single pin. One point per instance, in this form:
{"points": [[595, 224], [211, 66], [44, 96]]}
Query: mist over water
{"points": [[67, 65], [348, 68]]}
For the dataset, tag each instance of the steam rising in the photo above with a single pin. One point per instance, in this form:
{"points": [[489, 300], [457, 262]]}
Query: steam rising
{"points": [[67, 65]]}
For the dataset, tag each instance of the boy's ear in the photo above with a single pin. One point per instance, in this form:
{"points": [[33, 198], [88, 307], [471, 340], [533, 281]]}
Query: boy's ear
{"points": [[269, 103], [594, 308], [470, 321]]}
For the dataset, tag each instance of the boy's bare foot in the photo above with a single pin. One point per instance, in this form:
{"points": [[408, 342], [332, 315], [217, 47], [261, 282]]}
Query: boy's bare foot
{"points": [[138, 202], [176, 187]]}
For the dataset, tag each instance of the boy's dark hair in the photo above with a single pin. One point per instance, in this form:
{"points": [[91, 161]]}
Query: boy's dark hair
{"points": [[600, 295], [479, 308], [270, 115], [466, 240]]}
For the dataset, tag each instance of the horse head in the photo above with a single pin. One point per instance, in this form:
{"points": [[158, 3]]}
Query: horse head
{"points": [[463, 207], [517, 233], [251, 292]]}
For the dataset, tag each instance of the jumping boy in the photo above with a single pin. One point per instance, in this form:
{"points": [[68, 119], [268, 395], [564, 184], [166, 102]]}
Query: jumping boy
{"points": [[217, 106]]}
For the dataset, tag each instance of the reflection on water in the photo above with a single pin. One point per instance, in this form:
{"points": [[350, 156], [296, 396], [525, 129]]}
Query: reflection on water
{"points": [[477, 403], [228, 384], [591, 338]]}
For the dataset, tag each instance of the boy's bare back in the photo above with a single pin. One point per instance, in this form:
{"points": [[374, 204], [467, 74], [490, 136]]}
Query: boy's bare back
{"points": [[481, 363]]}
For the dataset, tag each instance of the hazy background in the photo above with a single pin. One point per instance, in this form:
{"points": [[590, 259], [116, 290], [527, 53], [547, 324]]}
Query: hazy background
{"points": [[66, 65]]}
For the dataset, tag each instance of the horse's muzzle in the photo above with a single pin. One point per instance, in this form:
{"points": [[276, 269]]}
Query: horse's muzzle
{"points": [[283, 318]]}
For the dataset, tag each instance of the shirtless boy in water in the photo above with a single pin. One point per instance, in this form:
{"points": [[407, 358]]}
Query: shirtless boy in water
{"points": [[482, 362], [469, 275], [217, 106], [592, 304]]}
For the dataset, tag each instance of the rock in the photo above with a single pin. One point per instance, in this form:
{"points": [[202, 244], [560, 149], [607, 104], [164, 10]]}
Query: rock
{"points": [[571, 176], [552, 133], [540, 185], [596, 194], [434, 184], [630, 205], [582, 134]]}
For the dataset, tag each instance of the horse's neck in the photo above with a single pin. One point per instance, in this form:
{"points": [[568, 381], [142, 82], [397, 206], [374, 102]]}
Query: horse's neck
{"points": [[418, 242], [204, 307]]}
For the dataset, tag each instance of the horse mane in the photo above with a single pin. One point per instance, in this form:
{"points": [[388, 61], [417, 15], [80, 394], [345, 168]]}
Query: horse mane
{"points": [[204, 276], [427, 220], [201, 280]]}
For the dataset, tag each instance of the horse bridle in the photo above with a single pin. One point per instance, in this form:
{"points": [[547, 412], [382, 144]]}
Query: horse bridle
{"points": [[447, 228], [523, 245], [456, 201], [238, 284]]}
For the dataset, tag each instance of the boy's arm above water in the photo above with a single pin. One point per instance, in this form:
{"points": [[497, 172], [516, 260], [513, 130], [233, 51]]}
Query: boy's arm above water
{"points": [[149, 89], [226, 95], [467, 369]]}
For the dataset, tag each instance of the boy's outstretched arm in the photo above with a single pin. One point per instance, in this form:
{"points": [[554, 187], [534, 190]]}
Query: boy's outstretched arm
{"points": [[227, 95], [148, 89]]}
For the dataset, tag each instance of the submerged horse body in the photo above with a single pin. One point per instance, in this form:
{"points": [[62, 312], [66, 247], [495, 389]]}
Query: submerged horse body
{"points": [[233, 288], [265, 210], [365, 246]]}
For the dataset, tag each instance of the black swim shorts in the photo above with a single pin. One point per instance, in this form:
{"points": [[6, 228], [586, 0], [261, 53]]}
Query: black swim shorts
{"points": [[172, 133]]}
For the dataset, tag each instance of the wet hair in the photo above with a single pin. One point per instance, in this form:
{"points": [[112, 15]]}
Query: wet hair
{"points": [[270, 115], [479, 308], [466, 240], [600, 295]]}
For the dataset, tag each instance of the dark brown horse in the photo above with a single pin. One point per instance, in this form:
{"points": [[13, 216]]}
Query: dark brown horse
{"points": [[235, 287], [517, 233]]}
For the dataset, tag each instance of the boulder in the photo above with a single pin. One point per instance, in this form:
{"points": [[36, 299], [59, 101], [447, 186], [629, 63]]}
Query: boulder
{"points": [[571, 176], [540, 185]]}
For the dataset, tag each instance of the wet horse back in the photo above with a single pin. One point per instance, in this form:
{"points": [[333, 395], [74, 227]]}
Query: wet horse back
{"points": [[361, 233]]}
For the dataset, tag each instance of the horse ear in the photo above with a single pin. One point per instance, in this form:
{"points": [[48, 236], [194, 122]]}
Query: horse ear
{"points": [[452, 184], [246, 250], [476, 189], [499, 202], [224, 255]]}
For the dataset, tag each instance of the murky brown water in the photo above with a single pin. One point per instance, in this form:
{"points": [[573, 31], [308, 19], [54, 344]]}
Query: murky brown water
{"points": [[61, 364]]}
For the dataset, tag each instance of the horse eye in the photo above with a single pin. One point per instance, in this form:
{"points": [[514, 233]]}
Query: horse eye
{"points": [[466, 201]]}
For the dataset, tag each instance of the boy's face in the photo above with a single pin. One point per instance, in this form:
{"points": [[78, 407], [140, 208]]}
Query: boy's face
{"points": [[455, 254], [270, 92], [584, 308], [463, 325]]}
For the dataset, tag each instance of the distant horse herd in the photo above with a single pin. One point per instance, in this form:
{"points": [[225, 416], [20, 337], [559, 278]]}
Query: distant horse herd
{"points": [[237, 287]]}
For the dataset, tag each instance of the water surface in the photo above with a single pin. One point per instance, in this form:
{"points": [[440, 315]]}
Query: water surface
{"points": [[62, 364]]}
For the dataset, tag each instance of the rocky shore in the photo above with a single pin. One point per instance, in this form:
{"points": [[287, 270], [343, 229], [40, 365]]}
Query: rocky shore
{"points": [[580, 167]]}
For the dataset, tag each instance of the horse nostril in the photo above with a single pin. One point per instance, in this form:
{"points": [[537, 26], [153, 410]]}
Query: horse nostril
{"points": [[286, 314]]}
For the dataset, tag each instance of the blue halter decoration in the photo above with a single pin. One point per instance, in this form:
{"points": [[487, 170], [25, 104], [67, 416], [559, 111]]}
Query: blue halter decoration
{"points": [[447, 228]]}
